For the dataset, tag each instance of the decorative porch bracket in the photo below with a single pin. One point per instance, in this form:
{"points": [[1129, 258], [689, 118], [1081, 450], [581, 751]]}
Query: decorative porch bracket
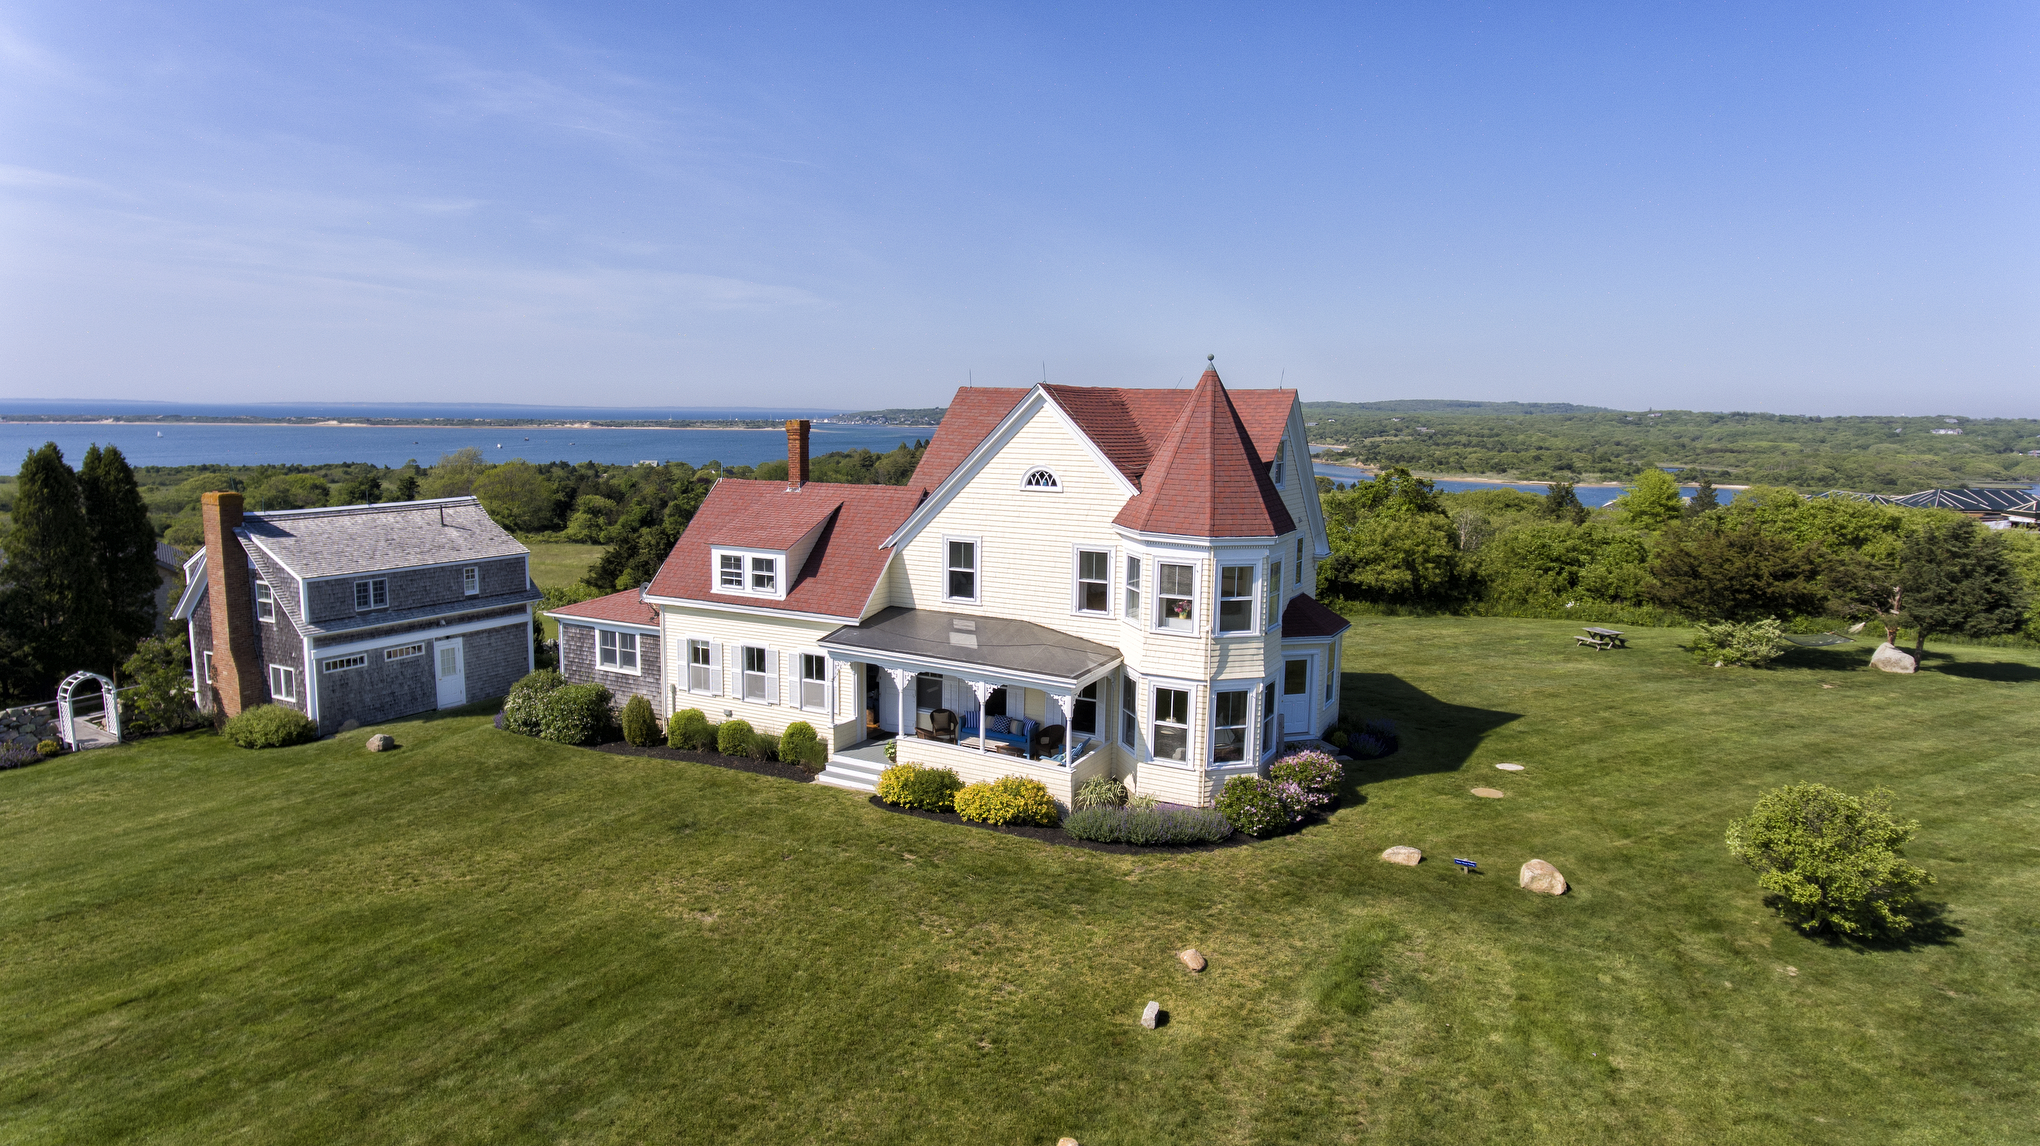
{"points": [[903, 679]]}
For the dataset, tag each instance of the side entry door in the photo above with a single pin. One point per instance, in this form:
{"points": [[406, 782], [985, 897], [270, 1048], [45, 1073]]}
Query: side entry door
{"points": [[450, 667]]}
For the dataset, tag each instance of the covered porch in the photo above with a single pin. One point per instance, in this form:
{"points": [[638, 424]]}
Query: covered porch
{"points": [[986, 696]]}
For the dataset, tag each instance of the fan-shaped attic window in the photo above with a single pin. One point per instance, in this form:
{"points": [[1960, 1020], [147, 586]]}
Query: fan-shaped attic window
{"points": [[1041, 479]]}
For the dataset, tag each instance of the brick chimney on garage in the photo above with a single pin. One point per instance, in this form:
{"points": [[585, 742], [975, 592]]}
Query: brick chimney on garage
{"points": [[237, 655], [796, 453]]}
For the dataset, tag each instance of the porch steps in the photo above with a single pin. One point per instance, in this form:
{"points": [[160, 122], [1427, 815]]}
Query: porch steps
{"points": [[849, 772]]}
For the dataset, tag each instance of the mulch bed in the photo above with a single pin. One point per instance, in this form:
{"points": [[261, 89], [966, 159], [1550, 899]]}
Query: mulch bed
{"points": [[1058, 836], [793, 772]]}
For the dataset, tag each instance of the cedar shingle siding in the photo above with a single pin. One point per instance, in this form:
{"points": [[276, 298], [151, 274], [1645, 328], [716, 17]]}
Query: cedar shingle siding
{"points": [[577, 663]]}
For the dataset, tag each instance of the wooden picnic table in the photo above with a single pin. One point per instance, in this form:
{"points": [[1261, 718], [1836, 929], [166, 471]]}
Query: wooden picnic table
{"points": [[1603, 639]]}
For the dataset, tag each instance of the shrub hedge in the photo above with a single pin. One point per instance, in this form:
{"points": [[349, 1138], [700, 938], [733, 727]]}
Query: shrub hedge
{"points": [[733, 738], [1147, 827], [573, 714], [912, 786], [270, 726], [1008, 800], [640, 727], [525, 706], [691, 730]]}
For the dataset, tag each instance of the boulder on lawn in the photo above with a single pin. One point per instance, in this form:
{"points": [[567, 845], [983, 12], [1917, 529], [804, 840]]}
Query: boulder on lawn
{"points": [[1192, 958], [1404, 855], [1542, 878], [1891, 658], [381, 742], [1152, 1016]]}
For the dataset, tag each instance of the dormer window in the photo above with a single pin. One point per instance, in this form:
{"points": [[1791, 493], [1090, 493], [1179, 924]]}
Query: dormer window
{"points": [[748, 573], [1041, 480], [764, 575], [732, 573]]}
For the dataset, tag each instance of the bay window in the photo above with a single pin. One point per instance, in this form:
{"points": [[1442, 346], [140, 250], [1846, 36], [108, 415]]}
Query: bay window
{"points": [[1171, 735], [1133, 589], [1268, 744], [1129, 717], [1236, 599], [1274, 613], [1175, 596], [1229, 726]]}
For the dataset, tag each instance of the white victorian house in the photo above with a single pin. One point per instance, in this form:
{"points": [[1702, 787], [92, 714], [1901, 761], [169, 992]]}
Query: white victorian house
{"points": [[1078, 581]]}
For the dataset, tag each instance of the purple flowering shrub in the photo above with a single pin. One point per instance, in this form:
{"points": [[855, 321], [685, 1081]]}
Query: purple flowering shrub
{"points": [[1308, 780]]}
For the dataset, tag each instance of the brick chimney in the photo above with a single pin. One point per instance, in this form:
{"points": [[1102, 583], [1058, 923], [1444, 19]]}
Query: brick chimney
{"points": [[237, 656], [796, 452]]}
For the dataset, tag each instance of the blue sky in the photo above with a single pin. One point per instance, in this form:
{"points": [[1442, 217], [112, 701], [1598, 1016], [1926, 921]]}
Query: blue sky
{"points": [[1819, 209]]}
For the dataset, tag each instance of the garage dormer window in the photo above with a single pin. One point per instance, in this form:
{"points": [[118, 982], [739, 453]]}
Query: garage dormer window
{"points": [[1041, 480], [748, 573]]}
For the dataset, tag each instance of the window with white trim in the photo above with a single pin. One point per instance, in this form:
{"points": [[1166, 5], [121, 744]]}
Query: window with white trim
{"points": [[1274, 613], [342, 664], [756, 674], [1229, 726], [373, 593], [1171, 724], [961, 582], [1175, 596], [1331, 672], [1094, 581], [1276, 471], [1268, 744], [470, 581], [1296, 677], [208, 666], [749, 572], [265, 602], [1084, 714], [814, 682], [1041, 479], [282, 682], [1129, 716], [764, 574], [616, 651], [1133, 589], [732, 573], [1299, 562], [402, 652], [701, 667], [1236, 599]]}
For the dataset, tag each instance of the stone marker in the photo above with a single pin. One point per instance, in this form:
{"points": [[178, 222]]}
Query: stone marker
{"points": [[1153, 1014], [1542, 878], [1488, 793], [1192, 958], [1510, 767], [1404, 855], [1891, 658], [381, 742], [1067, 1142]]}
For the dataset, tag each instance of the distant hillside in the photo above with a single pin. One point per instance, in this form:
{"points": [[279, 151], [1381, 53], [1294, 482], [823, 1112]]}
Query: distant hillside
{"points": [[1445, 406], [926, 416]]}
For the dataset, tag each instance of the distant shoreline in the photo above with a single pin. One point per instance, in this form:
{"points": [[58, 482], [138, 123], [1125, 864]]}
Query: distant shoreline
{"points": [[461, 424], [1485, 479]]}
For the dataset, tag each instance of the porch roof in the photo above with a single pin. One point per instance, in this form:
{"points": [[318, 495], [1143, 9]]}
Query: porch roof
{"points": [[981, 647]]}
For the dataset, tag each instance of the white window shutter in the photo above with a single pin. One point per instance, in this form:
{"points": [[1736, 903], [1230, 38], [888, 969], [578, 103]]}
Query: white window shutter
{"points": [[731, 662], [772, 659]]}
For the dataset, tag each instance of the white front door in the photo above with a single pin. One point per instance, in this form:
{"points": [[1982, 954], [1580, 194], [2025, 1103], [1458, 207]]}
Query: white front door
{"points": [[452, 672], [1296, 722]]}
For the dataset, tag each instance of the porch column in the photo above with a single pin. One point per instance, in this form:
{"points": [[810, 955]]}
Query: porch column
{"points": [[981, 690], [903, 679]]}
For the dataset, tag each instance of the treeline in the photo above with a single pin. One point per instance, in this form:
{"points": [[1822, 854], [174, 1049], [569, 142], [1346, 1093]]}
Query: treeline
{"points": [[1650, 558], [1813, 454]]}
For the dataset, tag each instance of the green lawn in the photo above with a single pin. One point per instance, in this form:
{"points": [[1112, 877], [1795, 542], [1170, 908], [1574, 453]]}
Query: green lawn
{"points": [[558, 564], [482, 938]]}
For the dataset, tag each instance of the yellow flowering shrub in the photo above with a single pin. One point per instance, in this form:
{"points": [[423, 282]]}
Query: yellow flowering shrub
{"points": [[1008, 800]]}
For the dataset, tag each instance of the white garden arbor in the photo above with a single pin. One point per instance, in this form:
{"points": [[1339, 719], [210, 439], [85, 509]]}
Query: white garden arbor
{"points": [[107, 732]]}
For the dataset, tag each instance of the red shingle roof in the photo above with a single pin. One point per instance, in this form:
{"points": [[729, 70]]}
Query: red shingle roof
{"points": [[841, 570], [1205, 480], [973, 414], [627, 608], [779, 522], [1305, 617]]}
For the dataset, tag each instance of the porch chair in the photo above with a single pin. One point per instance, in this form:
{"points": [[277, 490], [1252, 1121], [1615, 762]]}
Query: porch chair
{"points": [[942, 725], [1047, 740]]}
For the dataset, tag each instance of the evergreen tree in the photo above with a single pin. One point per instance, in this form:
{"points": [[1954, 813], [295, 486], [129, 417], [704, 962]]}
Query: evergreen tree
{"points": [[1704, 498], [53, 607], [1562, 504], [1712, 572], [125, 544], [1957, 578]]}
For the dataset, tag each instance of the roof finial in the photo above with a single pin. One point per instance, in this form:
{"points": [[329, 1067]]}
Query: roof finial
{"points": [[1211, 358]]}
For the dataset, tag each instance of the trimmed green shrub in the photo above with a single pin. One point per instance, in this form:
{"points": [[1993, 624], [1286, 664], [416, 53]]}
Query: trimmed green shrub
{"points": [[640, 727], [573, 714], [690, 729], [1100, 792], [733, 738], [1336, 738], [269, 726], [53, 747], [524, 707], [1314, 775], [800, 744], [912, 786], [1751, 645], [1254, 806], [1149, 826], [1008, 800], [1831, 861]]}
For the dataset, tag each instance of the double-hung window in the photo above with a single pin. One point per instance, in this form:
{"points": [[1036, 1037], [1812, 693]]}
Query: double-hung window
{"points": [[814, 682], [282, 682], [1229, 726], [616, 651], [1133, 589], [470, 581], [756, 675], [1094, 581], [1275, 471], [1129, 718], [1084, 717], [372, 594], [1171, 737], [1331, 672], [1268, 744], [265, 602], [208, 666], [764, 574], [1236, 599], [1175, 596], [701, 667], [731, 573], [1299, 560], [963, 571], [1274, 613]]}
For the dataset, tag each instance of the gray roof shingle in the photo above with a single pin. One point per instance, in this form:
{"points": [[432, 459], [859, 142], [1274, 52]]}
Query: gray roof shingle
{"points": [[371, 538]]}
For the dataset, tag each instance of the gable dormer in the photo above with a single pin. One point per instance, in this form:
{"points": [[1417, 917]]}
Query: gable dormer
{"points": [[759, 556]]}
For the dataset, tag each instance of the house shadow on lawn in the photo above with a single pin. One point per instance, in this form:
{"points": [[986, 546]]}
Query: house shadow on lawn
{"points": [[2004, 672], [1434, 735]]}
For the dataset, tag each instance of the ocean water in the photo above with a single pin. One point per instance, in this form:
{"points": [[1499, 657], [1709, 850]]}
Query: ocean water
{"points": [[1592, 496], [186, 445]]}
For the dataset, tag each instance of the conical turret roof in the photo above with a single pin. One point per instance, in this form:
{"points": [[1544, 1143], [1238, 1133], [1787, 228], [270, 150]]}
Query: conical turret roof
{"points": [[1204, 479]]}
